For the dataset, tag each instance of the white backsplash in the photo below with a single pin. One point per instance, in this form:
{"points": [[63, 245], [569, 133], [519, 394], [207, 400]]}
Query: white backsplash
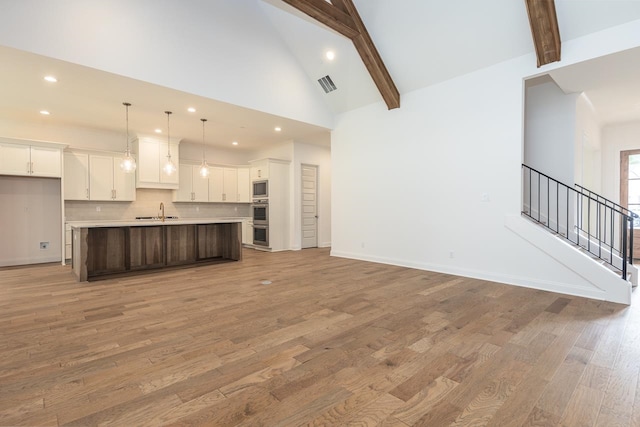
{"points": [[148, 204]]}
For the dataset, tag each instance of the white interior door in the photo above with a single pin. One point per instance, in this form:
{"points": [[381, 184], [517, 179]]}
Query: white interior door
{"points": [[309, 206]]}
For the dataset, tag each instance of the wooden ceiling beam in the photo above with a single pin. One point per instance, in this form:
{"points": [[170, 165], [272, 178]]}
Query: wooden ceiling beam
{"points": [[372, 59], [544, 29], [327, 14], [334, 15]]}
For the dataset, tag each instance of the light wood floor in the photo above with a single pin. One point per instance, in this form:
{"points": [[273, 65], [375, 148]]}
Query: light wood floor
{"points": [[329, 342]]}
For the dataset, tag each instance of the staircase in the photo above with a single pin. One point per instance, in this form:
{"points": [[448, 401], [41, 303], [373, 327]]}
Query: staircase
{"points": [[597, 226]]}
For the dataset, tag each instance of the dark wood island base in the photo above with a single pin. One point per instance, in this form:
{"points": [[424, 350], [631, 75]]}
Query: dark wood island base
{"points": [[103, 250]]}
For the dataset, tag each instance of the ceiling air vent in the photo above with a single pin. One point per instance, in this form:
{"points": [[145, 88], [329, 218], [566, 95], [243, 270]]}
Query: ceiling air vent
{"points": [[327, 84]]}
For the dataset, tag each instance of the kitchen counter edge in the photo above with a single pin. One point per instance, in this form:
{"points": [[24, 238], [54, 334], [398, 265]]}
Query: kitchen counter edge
{"points": [[148, 223]]}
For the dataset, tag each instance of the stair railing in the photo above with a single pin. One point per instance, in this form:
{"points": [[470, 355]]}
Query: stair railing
{"points": [[600, 226]]}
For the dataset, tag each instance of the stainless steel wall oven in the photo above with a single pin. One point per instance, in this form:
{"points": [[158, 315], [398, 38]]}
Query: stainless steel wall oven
{"points": [[260, 214]]}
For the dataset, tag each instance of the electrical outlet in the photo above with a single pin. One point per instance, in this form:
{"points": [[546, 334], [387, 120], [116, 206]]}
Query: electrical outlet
{"points": [[98, 208], [451, 254], [44, 246], [197, 208]]}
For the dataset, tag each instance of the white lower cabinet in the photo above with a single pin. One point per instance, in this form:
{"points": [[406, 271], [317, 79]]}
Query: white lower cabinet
{"points": [[193, 187], [247, 231], [67, 241]]}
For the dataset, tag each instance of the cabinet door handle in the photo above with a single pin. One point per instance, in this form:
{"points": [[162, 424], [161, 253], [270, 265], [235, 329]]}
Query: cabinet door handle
{"points": [[115, 194], [32, 168], [87, 194], [28, 167], [193, 196]]}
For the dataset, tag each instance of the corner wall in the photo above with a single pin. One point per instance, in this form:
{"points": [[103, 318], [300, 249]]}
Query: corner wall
{"points": [[429, 185], [550, 129]]}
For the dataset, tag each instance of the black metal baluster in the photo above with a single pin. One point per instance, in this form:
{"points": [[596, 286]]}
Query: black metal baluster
{"points": [[624, 252], [589, 225], [557, 208], [630, 240]]}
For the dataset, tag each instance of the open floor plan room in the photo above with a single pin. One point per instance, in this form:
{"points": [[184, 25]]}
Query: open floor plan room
{"points": [[302, 338]]}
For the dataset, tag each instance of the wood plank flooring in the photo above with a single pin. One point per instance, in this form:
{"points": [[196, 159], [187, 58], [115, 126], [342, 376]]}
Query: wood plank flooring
{"points": [[330, 342]]}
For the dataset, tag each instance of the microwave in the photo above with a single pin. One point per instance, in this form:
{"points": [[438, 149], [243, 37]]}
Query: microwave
{"points": [[260, 189]]}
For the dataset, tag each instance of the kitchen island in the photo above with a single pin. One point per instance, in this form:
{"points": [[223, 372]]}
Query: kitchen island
{"points": [[102, 248]]}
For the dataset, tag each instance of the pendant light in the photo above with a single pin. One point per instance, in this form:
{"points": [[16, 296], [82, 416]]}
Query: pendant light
{"points": [[204, 167], [169, 167], [128, 164]]}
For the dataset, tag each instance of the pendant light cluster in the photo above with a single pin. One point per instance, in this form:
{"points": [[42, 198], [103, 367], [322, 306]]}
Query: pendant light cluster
{"points": [[204, 167], [169, 167], [128, 163]]}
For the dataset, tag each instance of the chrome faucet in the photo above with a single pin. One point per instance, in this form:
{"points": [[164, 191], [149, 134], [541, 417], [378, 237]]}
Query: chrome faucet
{"points": [[162, 211]]}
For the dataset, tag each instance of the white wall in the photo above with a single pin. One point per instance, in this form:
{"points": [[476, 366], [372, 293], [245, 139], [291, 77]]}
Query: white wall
{"points": [[550, 126], [408, 184], [30, 214], [616, 138], [588, 155], [181, 45]]}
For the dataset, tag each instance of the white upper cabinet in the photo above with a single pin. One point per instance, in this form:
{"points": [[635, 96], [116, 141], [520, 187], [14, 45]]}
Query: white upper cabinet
{"points": [[244, 185], [216, 184], [152, 155], [107, 181], [223, 185], [15, 159], [193, 187], [31, 160], [230, 185], [124, 184], [76, 176], [259, 170], [97, 176], [101, 177]]}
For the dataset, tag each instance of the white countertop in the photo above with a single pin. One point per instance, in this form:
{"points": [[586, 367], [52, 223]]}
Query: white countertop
{"points": [[151, 222]]}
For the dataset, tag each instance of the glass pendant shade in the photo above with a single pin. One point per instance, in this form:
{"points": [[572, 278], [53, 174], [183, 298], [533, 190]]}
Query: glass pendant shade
{"points": [[128, 163], [169, 167], [204, 167], [204, 170]]}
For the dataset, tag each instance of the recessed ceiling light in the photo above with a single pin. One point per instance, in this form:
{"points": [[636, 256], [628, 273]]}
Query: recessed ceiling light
{"points": [[234, 143], [50, 79], [158, 131], [278, 129], [44, 112], [191, 110], [330, 55]]}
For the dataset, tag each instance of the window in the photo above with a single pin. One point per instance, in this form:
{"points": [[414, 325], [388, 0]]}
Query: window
{"points": [[630, 182]]}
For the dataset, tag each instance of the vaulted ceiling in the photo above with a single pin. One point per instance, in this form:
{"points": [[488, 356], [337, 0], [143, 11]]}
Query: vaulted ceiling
{"points": [[422, 42]]}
